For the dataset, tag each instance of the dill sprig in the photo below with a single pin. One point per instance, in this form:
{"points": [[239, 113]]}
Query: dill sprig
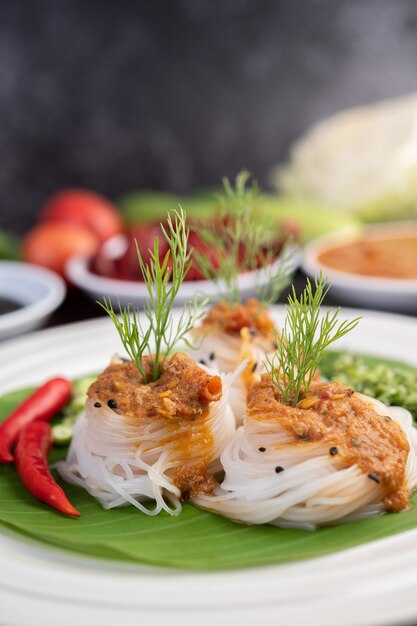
{"points": [[274, 274], [305, 335], [238, 243], [163, 279]]}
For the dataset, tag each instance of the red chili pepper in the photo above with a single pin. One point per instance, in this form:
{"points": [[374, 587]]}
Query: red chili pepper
{"points": [[31, 454], [43, 404]]}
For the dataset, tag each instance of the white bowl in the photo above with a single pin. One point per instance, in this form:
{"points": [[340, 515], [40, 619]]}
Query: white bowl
{"points": [[134, 292], [39, 292], [394, 294]]}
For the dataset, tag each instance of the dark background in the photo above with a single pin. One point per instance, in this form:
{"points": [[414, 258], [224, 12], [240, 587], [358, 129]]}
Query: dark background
{"points": [[173, 94]]}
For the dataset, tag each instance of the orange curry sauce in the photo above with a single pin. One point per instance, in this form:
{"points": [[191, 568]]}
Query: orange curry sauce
{"points": [[334, 415], [249, 321], [231, 317], [390, 257], [180, 400]]}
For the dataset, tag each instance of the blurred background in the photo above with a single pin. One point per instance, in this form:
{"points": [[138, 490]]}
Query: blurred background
{"points": [[174, 95], [151, 103]]}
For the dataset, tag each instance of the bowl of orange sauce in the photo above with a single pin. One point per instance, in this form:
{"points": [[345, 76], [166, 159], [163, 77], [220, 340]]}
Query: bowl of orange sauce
{"points": [[374, 267]]}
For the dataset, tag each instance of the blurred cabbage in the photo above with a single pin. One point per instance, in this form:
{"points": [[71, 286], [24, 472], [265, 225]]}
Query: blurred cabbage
{"points": [[362, 160]]}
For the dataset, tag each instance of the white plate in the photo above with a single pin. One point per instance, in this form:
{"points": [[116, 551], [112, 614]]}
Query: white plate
{"points": [[135, 293], [392, 294], [37, 289], [364, 586]]}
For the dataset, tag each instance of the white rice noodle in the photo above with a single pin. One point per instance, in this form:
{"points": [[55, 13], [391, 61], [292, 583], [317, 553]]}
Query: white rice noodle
{"points": [[314, 489], [224, 353], [122, 461]]}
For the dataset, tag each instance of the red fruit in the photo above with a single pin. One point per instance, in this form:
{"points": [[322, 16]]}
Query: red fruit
{"points": [[127, 266], [84, 208], [51, 245], [195, 241]]}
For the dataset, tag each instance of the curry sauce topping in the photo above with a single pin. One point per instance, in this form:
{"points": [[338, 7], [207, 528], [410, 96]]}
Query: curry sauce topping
{"points": [[180, 399], [394, 257], [231, 317], [336, 416], [183, 389]]}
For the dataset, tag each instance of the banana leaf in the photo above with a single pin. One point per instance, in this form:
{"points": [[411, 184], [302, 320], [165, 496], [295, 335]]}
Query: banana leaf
{"points": [[195, 539]]}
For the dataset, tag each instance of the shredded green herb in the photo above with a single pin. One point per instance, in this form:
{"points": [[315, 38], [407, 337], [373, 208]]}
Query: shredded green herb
{"points": [[240, 242], [305, 335], [163, 279]]}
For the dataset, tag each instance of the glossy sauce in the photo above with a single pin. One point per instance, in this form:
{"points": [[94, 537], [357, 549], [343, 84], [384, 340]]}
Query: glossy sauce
{"points": [[179, 400], [248, 322], [233, 317], [183, 389], [394, 257], [334, 415]]}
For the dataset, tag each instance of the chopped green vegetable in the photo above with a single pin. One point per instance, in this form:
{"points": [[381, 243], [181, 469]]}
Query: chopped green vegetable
{"points": [[305, 336], [391, 383], [62, 429]]}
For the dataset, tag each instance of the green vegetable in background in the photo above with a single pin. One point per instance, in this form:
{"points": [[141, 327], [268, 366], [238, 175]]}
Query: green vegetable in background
{"points": [[148, 206], [309, 220], [9, 247]]}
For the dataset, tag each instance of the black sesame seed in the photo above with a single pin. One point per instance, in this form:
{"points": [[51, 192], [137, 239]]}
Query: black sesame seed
{"points": [[333, 451], [252, 332], [212, 356], [112, 404], [304, 437], [255, 365], [202, 361], [97, 405], [279, 469], [374, 477], [261, 449], [124, 360], [387, 417]]}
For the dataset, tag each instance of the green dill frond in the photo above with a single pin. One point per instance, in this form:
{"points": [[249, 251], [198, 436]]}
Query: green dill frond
{"points": [[133, 338], [305, 335], [163, 279], [239, 243], [275, 274]]}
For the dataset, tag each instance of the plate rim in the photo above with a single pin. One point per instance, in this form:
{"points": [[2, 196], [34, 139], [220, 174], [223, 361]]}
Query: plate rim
{"points": [[265, 576], [34, 311]]}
